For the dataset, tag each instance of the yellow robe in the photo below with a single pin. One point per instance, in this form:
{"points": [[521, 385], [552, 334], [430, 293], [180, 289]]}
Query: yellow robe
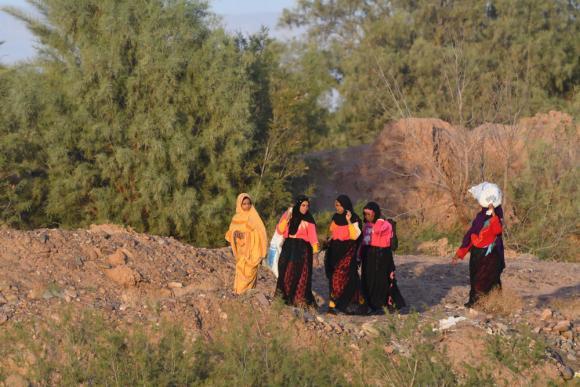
{"points": [[250, 250]]}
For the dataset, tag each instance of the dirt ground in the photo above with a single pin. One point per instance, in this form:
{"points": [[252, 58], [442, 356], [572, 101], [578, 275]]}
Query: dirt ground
{"points": [[137, 279]]}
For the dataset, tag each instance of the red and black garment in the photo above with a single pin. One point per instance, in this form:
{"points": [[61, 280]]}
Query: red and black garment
{"points": [[485, 244], [294, 283], [341, 261]]}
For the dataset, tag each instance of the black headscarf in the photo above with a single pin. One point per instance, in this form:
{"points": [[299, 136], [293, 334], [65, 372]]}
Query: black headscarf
{"points": [[340, 219], [297, 216], [374, 207]]}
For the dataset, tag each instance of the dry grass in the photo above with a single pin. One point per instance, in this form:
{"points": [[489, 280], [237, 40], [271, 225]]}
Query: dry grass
{"points": [[503, 302]]}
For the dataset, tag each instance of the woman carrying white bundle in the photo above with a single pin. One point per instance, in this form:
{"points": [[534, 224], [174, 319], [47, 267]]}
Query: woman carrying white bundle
{"points": [[484, 243]]}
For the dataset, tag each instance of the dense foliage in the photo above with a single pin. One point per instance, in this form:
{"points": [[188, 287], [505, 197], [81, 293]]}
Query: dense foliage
{"points": [[467, 62], [149, 114]]}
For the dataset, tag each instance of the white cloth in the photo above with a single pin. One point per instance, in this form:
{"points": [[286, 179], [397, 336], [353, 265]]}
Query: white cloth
{"points": [[486, 194]]}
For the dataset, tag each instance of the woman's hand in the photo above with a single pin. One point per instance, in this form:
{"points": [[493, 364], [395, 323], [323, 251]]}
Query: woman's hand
{"points": [[454, 260], [348, 216], [289, 213], [238, 235]]}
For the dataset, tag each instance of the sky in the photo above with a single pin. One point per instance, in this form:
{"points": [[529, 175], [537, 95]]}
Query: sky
{"points": [[245, 16]]}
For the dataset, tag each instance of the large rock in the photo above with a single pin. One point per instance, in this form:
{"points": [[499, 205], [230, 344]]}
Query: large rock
{"points": [[562, 326], [546, 314], [118, 258], [123, 275]]}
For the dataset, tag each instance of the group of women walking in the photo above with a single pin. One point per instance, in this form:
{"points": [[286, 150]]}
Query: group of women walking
{"points": [[352, 243]]}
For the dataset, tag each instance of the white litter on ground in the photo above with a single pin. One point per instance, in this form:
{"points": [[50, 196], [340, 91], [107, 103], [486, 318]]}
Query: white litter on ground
{"points": [[449, 322]]}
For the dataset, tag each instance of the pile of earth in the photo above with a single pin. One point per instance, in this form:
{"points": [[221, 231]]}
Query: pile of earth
{"points": [[422, 167]]}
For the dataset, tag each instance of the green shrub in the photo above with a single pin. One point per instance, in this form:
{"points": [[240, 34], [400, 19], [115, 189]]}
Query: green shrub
{"points": [[545, 202]]}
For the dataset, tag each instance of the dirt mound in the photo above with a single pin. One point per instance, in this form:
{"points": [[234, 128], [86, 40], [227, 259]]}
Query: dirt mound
{"points": [[133, 277], [422, 167]]}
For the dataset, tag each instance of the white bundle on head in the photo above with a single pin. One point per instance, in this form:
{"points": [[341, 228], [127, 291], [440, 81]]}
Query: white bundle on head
{"points": [[486, 194]]}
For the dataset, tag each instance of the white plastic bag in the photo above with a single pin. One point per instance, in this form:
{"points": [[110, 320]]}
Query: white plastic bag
{"points": [[486, 194], [274, 252]]}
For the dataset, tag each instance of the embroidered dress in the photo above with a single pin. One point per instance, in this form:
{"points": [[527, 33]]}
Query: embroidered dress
{"points": [[341, 264], [294, 283]]}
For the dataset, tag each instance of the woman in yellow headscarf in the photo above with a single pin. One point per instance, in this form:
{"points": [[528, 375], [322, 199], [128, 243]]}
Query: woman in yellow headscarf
{"points": [[247, 236]]}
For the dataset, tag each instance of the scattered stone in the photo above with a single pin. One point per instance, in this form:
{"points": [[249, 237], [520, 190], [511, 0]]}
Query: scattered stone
{"points": [[370, 330], [264, 301], [117, 258], [70, 294], [35, 293], [123, 275], [11, 297], [16, 381], [4, 285], [389, 349], [79, 261], [307, 316], [562, 326], [180, 292], [174, 285], [3, 300], [537, 330], [567, 373], [568, 334], [546, 314], [502, 328], [92, 253]]}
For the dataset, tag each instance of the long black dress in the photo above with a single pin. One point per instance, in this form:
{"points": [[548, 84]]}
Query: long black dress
{"points": [[379, 280]]}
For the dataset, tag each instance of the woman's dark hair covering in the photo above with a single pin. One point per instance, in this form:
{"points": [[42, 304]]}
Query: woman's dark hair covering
{"points": [[346, 203], [374, 207], [297, 216]]}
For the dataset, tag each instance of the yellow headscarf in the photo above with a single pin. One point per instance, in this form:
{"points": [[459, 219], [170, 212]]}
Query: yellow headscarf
{"points": [[248, 222]]}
